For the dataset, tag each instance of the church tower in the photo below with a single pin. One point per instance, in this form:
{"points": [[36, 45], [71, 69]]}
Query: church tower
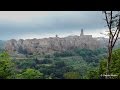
{"points": [[56, 35], [81, 32]]}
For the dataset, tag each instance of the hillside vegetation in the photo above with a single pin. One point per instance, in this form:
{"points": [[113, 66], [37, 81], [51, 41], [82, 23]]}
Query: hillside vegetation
{"points": [[70, 64]]}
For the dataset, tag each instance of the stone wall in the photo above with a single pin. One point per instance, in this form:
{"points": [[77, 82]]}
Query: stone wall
{"points": [[52, 44]]}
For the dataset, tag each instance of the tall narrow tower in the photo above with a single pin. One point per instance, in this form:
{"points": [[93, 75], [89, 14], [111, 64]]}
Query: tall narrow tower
{"points": [[81, 32], [56, 35]]}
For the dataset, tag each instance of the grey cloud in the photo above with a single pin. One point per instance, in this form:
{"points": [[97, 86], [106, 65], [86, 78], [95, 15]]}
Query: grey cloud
{"points": [[55, 22], [89, 20]]}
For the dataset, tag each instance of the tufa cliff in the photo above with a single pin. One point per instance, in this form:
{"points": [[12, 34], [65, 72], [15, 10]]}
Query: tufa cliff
{"points": [[52, 44]]}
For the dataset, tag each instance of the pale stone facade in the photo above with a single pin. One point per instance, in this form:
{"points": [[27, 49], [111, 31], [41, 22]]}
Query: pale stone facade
{"points": [[49, 45]]}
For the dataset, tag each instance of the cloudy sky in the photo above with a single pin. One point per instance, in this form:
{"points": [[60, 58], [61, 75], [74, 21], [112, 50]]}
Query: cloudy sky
{"points": [[40, 24]]}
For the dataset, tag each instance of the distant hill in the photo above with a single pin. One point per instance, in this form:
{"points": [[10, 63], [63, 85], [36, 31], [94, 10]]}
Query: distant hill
{"points": [[2, 44]]}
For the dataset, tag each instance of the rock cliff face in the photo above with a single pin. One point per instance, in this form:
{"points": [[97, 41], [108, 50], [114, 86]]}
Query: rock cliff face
{"points": [[52, 44]]}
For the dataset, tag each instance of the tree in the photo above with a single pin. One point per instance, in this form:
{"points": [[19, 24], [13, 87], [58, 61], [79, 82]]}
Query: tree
{"points": [[72, 75], [30, 74], [114, 66], [93, 74], [6, 66], [60, 64], [113, 23], [102, 67]]}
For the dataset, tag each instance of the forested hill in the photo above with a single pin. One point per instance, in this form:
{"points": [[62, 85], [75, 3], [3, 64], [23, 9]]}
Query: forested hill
{"points": [[61, 65]]}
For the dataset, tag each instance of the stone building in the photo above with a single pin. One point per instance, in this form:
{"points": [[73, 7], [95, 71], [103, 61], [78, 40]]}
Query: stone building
{"points": [[49, 45]]}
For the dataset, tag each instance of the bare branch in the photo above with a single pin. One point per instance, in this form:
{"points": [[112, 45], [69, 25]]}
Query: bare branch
{"points": [[116, 39], [118, 28], [112, 23], [106, 19], [115, 33]]}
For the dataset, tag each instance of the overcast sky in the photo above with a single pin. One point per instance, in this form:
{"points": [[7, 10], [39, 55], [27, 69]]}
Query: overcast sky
{"points": [[40, 24]]}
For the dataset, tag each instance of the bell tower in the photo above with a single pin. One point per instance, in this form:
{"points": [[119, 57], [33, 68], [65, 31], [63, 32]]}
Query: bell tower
{"points": [[81, 32], [56, 35]]}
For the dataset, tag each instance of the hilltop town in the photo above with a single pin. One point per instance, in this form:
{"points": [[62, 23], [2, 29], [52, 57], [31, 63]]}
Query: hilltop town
{"points": [[52, 44]]}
